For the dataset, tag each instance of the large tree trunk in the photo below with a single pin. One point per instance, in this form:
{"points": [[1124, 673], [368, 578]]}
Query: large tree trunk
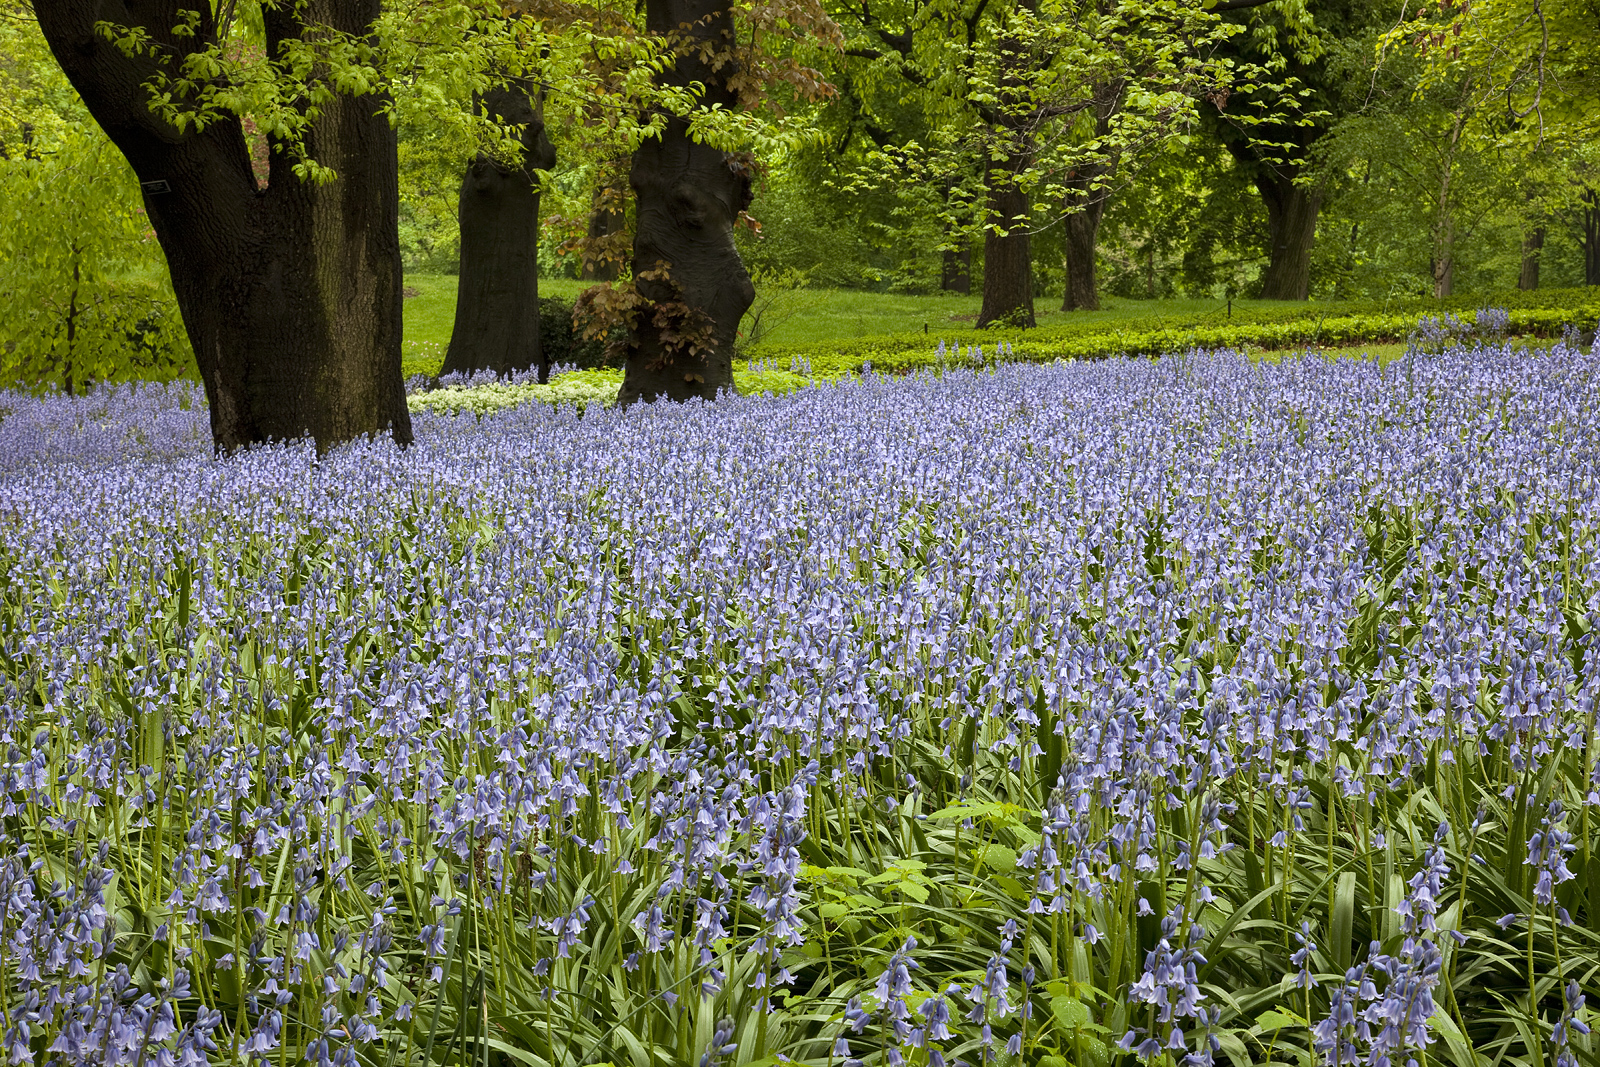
{"points": [[687, 197], [291, 295], [1292, 211], [1088, 191], [497, 291], [1007, 254], [1007, 245], [1082, 232], [1532, 245], [604, 249]]}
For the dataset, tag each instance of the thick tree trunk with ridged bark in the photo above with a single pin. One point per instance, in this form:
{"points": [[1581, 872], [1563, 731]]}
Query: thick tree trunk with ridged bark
{"points": [[291, 295], [497, 290], [1292, 211], [687, 197], [1007, 252], [1007, 243]]}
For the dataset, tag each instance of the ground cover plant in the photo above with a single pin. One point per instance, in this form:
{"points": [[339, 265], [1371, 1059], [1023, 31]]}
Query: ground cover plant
{"points": [[1190, 710]]}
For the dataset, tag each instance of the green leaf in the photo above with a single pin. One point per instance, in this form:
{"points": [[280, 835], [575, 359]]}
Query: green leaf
{"points": [[1277, 1019]]}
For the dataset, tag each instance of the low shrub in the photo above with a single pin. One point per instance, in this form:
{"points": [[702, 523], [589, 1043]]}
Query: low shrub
{"points": [[580, 388]]}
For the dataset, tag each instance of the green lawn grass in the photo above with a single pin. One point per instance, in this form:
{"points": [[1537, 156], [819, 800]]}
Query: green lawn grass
{"points": [[430, 314], [784, 322], [815, 316], [807, 316]]}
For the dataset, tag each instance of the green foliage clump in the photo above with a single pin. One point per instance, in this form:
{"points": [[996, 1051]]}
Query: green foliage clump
{"points": [[85, 285], [759, 380]]}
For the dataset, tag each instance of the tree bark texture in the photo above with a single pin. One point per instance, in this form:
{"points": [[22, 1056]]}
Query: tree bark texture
{"points": [[1532, 246], [687, 197], [1088, 192], [1007, 256], [1292, 211], [291, 295], [1007, 245], [497, 290]]}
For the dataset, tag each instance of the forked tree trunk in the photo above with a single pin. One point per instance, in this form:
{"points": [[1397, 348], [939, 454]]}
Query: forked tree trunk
{"points": [[1444, 276], [497, 290], [1082, 233], [1532, 246], [291, 295], [1088, 191], [1444, 221], [1292, 211], [687, 197]]}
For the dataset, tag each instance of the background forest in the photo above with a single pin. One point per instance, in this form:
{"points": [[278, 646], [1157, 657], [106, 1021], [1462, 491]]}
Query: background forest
{"points": [[1292, 149]]}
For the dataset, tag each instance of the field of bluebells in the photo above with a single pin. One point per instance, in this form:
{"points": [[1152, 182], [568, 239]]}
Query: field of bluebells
{"points": [[1183, 711]]}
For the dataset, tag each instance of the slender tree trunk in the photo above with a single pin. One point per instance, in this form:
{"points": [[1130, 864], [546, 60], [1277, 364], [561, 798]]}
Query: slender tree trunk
{"points": [[1444, 221], [1292, 211], [1532, 246], [603, 251], [72, 319], [497, 291], [1444, 276], [955, 275], [687, 197], [1088, 192], [955, 272], [291, 295], [1591, 237], [1082, 232]]}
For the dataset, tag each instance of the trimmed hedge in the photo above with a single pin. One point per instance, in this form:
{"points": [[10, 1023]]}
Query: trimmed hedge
{"points": [[1540, 313]]}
